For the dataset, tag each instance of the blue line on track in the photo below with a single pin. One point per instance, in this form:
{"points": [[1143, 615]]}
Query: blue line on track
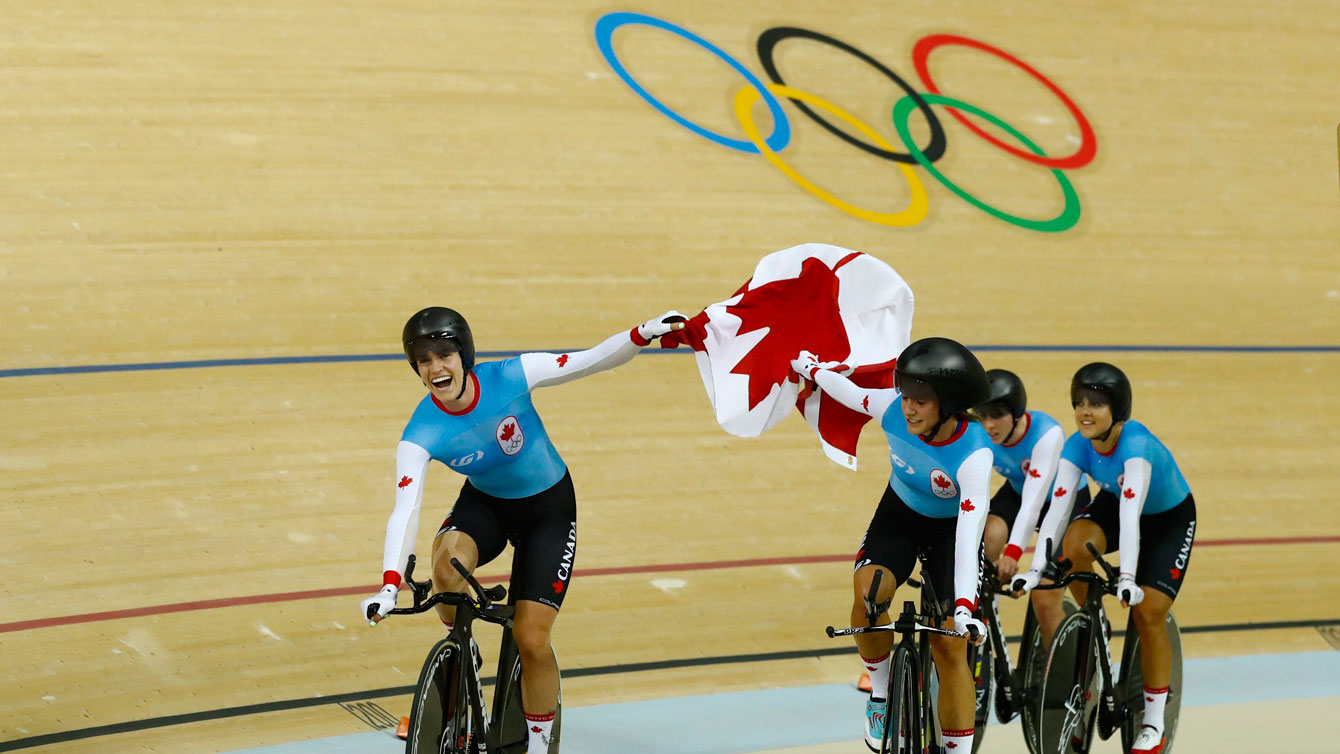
{"points": [[344, 358]]}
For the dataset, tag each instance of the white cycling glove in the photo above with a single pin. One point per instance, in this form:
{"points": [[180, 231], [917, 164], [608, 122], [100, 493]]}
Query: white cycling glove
{"points": [[1024, 582], [376, 607], [806, 364], [964, 623], [1127, 591], [662, 325]]}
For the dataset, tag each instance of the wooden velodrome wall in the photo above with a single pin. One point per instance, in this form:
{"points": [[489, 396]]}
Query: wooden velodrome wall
{"points": [[207, 180]]}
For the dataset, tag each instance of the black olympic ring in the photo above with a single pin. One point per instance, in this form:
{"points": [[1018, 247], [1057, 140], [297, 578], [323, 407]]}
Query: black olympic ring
{"points": [[769, 39]]}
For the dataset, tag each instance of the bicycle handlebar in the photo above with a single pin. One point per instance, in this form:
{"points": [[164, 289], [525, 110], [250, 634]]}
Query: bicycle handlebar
{"points": [[481, 607], [1106, 582]]}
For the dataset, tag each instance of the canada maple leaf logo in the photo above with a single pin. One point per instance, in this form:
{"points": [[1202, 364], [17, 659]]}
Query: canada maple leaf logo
{"points": [[536, 729], [1034, 473], [1128, 494], [951, 745], [507, 432], [558, 587], [405, 482], [1176, 572], [942, 482], [865, 403], [967, 505], [799, 314], [562, 360], [1060, 492]]}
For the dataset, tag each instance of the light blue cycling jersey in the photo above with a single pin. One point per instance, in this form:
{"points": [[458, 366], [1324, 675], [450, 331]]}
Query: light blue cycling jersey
{"points": [[923, 472], [499, 443], [1167, 487]]}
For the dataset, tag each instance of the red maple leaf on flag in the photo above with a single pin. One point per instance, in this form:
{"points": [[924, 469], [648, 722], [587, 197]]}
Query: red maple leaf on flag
{"points": [[507, 432], [562, 360], [1060, 492], [1034, 473], [967, 506], [800, 314], [558, 587], [1129, 493], [405, 482], [942, 482]]}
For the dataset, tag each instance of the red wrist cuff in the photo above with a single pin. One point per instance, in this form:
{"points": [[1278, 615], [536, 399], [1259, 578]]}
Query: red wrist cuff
{"points": [[965, 603], [391, 578], [1013, 551], [637, 338]]}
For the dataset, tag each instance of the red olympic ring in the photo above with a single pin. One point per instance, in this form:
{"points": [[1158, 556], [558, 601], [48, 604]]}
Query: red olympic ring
{"points": [[1088, 142]]}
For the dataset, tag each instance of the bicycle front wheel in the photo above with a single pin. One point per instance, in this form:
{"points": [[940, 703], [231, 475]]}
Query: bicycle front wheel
{"points": [[439, 717], [902, 719], [1069, 683], [1032, 667], [1131, 687]]}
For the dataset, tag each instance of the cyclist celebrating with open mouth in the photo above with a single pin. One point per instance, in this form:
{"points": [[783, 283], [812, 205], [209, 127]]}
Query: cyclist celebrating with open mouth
{"points": [[478, 420], [1145, 510], [935, 501]]}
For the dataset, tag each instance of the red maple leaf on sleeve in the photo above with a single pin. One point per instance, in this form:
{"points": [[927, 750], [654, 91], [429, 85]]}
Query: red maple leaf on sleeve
{"points": [[1060, 492], [1129, 493], [967, 505], [942, 482], [405, 482], [507, 432], [562, 360], [1034, 473], [799, 314]]}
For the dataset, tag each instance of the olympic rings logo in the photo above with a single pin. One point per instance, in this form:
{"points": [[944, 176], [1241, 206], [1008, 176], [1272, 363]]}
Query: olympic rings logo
{"points": [[877, 145]]}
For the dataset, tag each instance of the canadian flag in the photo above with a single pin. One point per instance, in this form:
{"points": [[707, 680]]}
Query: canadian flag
{"points": [[838, 304]]}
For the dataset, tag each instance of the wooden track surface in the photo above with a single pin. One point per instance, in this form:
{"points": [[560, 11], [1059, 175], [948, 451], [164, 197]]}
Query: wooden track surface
{"points": [[208, 180]]}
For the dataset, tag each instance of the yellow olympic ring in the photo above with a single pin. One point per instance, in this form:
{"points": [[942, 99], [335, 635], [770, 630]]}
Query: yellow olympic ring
{"points": [[916, 209]]}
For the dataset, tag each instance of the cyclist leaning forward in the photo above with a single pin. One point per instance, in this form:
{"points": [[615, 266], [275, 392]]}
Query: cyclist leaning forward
{"points": [[935, 501], [1027, 449], [478, 420], [1145, 510]]}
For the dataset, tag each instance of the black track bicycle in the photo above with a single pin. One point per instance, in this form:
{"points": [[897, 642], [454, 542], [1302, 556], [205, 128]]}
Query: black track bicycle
{"points": [[911, 717], [447, 715], [1081, 689]]}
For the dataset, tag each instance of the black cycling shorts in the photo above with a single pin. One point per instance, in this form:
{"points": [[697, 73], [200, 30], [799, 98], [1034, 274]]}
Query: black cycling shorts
{"points": [[542, 529], [1006, 504], [1165, 540], [894, 536]]}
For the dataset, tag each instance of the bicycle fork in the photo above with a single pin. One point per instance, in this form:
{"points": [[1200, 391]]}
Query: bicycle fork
{"points": [[1107, 709]]}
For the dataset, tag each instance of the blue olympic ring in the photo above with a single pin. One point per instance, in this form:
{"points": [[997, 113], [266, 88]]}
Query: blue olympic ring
{"points": [[605, 28]]}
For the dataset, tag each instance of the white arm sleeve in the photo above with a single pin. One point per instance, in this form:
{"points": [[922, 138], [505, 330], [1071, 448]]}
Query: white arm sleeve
{"points": [[1133, 493], [402, 528], [974, 478], [1063, 499], [869, 401], [545, 369], [1038, 485]]}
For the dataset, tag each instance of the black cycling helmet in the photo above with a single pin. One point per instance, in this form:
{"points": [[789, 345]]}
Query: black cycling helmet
{"points": [[439, 322], [1007, 390], [947, 369], [1109, 382]]}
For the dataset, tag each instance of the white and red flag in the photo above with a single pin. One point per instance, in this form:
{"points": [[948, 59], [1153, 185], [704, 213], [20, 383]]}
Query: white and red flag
{"points": [[841, 305]]}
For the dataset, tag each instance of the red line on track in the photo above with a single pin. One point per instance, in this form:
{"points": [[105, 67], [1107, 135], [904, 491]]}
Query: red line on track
{"points": [[344, 591]]}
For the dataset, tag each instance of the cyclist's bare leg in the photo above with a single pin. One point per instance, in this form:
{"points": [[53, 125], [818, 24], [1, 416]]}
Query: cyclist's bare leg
{"points": [[958, 694], [448, 545], [995, 536], [539, 669], [1081, 532], [878, 644], [1155, 649], [1049, 607]]}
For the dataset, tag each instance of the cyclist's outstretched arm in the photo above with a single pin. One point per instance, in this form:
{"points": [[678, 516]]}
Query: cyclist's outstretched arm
{"points": [[1058, 516], [1037, 486], [546, 369], [1134, 490], [974, 477], [869, 401], [411, 462]]}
